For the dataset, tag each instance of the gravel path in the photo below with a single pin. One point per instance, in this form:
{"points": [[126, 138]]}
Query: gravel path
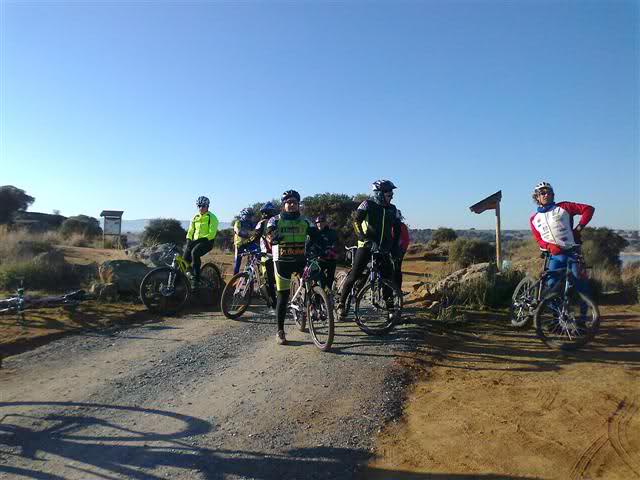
{"points": [[199, 397]]}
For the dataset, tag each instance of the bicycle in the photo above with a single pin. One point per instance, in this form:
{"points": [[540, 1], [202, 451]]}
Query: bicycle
{"points": [[566, 319], [379, 302], [237, 294], [527, 295], [342, 276], [21, 302], [311, 303], [167, 289]]}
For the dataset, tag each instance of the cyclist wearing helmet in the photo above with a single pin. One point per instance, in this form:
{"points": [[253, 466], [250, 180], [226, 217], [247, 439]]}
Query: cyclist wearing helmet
{"points": [[377, 226], [267, 211], [552, 227], [202, 231], [243, 237], [288, 234], [327, 244]]}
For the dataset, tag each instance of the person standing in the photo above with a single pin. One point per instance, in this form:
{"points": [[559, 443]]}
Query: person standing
{"points": [[202, 231], [267, 211], [327, 243]]}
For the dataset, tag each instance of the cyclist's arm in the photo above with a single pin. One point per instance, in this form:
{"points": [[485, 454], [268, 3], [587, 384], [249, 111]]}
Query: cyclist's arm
{"points": [[192, 229], [360, 215], [213, 227], [585, 211]]}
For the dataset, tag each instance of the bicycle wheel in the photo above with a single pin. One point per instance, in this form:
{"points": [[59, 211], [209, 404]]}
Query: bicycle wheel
{"points": [[210, 284], [165, 290], [296, 307], [236, 295], [566, 322], [523, 302], [320, 315], [378, 307]]}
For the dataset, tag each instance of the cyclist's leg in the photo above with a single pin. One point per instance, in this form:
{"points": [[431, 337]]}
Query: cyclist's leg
{"points": [[397, 273], [237, 259], [556, 262], [200, 248], [329, 273], [360, 260], [187, 251], [283, 271], [271, 280]]}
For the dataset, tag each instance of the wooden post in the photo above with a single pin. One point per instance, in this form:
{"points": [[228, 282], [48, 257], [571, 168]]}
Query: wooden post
{"points": [[498, 246]]}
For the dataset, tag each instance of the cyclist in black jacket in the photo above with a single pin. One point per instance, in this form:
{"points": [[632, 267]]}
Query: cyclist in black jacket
{"points": [[377, 225]]}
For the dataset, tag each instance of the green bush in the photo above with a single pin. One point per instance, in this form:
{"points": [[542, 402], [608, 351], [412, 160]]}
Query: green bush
{"points": [[163, 230], [443, 234], [601, 247], [493, 291], [80, 225], [39, 276], [12, 200], [465, 252]]}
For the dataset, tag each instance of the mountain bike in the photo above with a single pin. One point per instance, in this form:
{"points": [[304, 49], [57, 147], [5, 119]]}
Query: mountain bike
{"points": [[310, 303], [21, 302], [238, 292], [167, 289], [378, 305], [339, 281], [567, 319], [527, 295]]}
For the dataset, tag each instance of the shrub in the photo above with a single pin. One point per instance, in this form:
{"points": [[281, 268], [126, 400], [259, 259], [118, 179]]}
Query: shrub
{"points": [[39, 276], [82, 225], [21, 244], [494, 291], [12, 200], [601, 247], [443, 234], [163, 230], [464, 252], [631, 280]]}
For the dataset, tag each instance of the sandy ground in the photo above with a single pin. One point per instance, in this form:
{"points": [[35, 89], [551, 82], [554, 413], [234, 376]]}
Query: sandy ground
{"points": [[496, 403]]}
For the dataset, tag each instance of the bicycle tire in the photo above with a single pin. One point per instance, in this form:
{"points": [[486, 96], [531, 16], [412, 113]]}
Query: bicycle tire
{"points": [[236, 296], [211, 284], [556, 324], [155, 295], [320, 315], [523, 298], [296, 308], [373, 316]]}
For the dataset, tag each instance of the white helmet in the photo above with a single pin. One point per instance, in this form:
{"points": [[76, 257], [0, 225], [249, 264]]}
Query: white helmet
{"points": [[542, 185]]}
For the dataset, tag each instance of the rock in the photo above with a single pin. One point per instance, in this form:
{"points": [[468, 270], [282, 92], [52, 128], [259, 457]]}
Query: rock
{"points": [[125, 274], [154, 256], [54, 258], [104, 292]]}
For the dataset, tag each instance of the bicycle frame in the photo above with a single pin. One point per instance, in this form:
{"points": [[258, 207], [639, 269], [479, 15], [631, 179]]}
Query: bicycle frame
{"points": [[305, 281]]}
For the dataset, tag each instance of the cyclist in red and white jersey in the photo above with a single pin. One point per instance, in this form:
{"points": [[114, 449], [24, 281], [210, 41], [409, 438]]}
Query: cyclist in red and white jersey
{"points": [[552, 226]]}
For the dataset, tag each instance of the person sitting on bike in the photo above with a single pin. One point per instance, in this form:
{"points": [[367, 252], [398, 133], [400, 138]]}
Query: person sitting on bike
{"points": [[403, 246], [243, 237], [552, 227], [267, 211], [288, 234], [327, 243], [377, 226], [202, 231]]}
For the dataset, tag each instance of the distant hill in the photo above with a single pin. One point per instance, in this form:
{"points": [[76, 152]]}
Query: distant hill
{"points": [[137, 226]]}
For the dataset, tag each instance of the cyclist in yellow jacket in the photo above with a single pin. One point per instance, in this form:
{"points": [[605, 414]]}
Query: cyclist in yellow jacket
{"points": [[200, 236]]}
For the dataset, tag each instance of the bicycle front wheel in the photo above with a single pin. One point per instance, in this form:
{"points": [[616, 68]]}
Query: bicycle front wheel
{"points": [[165, 290], [522, 302], [210, 284], [566, 322], [378, 307], [320, 315], [236, 295]]}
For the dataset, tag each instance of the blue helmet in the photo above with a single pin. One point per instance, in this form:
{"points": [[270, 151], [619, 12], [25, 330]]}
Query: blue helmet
{"points": [[268, 209]]}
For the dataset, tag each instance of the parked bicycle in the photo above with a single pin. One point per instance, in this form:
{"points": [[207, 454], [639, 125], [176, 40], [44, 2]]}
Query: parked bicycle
{"points": [[19, 303], [311, 304], [527, 295], [167, 289], [238, 292]]}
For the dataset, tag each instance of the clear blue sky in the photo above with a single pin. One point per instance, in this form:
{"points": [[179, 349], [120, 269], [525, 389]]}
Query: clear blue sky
{"points": [[143, 106]]}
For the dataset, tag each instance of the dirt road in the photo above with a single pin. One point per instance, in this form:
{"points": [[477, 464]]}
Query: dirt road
{"points": [[198, 397]]}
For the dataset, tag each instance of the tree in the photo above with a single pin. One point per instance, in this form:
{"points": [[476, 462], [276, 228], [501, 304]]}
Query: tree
{"points": [[465, 252], [601, 247], [82, 225], [443, 234], [12, 200], [163, 230]]}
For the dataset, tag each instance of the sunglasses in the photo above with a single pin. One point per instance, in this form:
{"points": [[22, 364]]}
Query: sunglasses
{"points": [[545, 192]]}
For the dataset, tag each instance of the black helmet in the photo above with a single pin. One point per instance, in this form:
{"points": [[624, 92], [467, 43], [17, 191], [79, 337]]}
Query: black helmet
{"points": [[382, 186], [321, 218], [202, 202], [290, 194]]}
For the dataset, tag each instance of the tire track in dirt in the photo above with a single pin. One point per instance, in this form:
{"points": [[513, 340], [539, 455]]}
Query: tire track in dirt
{"points": [[617, 433]]}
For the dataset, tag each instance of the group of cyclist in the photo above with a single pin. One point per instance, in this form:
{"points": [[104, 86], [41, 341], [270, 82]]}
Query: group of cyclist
{"points": [[286, 237]]}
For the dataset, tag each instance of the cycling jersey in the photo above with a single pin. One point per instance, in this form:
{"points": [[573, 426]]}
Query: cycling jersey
{"points": [[327, 243], [242, 231], [260, 232], [203, 226], [375, 223], [289, 233], [552, 225]]}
